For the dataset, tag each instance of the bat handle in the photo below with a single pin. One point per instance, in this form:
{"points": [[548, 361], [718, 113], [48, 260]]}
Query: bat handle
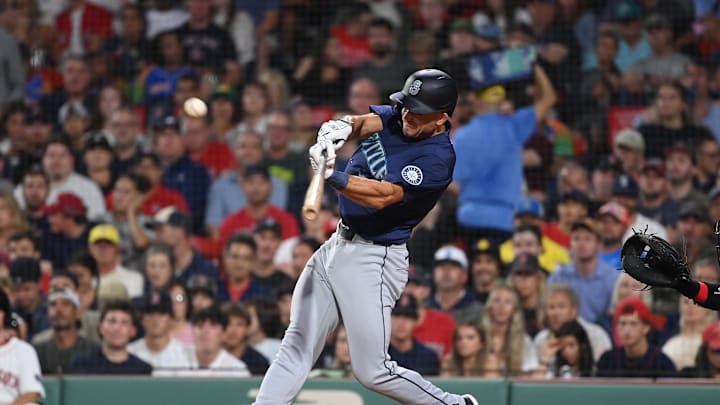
{"points": [[314, 194]]}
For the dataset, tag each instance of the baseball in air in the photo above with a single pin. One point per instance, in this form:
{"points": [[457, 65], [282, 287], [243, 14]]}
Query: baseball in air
{"points": [[194, 107]]}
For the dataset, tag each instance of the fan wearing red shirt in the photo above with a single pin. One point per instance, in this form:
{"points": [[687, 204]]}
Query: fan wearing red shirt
{"points": [[159, 197], [215, 156], [434, 328], [95, 26], [352, 34], [257, 187], [572, 207]]}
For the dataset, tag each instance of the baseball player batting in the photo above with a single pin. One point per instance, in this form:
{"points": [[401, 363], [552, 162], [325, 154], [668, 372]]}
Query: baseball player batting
{"points": [[403, 165], [20, 381]]}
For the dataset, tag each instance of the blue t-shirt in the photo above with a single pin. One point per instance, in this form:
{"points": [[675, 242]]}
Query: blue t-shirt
{"points": [[420, 358], [95, 362], [192, 180], [422, 167], [612, 258], [489, 167]]}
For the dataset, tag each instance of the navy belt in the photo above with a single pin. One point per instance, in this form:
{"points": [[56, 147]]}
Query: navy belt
{"points": [[347, 233]]}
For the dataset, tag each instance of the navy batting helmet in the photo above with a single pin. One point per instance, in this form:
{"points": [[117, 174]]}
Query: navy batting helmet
{"points": [[427, 91], [5, 309]]}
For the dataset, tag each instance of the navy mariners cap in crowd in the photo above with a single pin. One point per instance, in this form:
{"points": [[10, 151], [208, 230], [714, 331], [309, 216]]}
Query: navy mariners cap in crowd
{"points": [[525, 263], [451, 254], [24, 269], [406, 306], [157, 303], [419, 276], [167, 121], [625, 186], [268, 224], [531, 206]]}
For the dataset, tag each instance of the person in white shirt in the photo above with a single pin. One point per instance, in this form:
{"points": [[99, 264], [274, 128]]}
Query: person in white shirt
{"points": [[626, 192], [20, 378], [210, 359], [683, 347], [561, 304], [158, 348], [104, 242]]}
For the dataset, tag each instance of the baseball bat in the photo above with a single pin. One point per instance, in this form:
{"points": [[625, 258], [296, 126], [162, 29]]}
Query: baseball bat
{"points": [[314, 194]]}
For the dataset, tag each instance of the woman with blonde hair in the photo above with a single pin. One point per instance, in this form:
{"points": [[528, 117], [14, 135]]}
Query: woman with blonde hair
{"points": [[469, 352], [682, 347], [278, 88], [509, 347], [12, 220]]}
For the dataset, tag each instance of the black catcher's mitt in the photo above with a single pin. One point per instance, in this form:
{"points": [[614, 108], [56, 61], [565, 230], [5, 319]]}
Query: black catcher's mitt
{"points": [[653, 261]]}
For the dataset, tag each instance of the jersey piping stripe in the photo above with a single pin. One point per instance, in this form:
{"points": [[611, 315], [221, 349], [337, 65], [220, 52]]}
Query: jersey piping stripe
{"points": [[385, 344]]}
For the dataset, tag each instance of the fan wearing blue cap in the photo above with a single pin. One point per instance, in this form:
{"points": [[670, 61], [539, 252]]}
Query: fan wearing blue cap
{"points": [[450, 278]]}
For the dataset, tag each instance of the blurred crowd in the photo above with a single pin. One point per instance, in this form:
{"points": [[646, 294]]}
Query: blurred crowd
{"points": [[136, 239]]}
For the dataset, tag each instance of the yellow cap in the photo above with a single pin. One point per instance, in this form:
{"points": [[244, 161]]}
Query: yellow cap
{"points": [[104, 232], [493, 94]]}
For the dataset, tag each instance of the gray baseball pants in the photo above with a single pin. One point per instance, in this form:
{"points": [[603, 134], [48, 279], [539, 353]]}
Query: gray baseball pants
{"points": [[360, 281]]}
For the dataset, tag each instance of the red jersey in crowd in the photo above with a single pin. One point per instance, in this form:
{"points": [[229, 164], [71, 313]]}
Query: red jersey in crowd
{"points": [[436, 331], [217, 157], [554, 232], [96, 23], [159, 198], [241, 221]]}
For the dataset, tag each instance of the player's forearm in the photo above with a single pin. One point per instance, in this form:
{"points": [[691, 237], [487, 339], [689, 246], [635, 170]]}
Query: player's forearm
{"points": [[704, 294], [29, 398], [363, 125], [367, 192], [547, 96]]}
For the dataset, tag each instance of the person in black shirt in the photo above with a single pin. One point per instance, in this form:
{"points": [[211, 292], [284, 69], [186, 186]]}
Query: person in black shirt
{"points": [[35, 188], [527, 280], [235, 339], [404, 349], [117, 327], [268, 235], [69, 229], [636, 357]]}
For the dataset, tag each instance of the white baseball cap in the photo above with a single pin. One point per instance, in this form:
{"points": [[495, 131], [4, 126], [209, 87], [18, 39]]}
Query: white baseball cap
{"points": [[451, 254], [66, 293]]}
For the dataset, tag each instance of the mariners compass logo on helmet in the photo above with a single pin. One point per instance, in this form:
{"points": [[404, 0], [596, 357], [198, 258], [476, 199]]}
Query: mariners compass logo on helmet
{"points": [[415, 87], [412, 174]]}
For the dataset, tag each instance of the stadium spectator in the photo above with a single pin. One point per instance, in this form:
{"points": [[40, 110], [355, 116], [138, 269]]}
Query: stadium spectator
{"points": [[173, 228], [258, 188], [363, 93], [469, 350], [65, 342], [235, 339], [561, 305], [202, 292], [628, 287], [18, 150], [613, 221], [158, 348], [627, 193], [129, 52], [486, 270], [222, 113], [104, 246], [189, 178], [30, 302], [477, 216], [321, 77], [510, 349], [149, 166], [20, 361], [351, 35], [704, 107], [24, 244], [433, 328], [278, 94], [12, 220], [58, 163], [268, 235], [110, 98], [159, 268], [587, 274], [664, 63], [117, 327], [707, 163], [162, 81], [404, 348], [180, 327], [303, 249], [655, 201], [264, 326], [629, 150], [680, 168], [255, 104], [573, 354], [384, 68], [683, 347], [527, 239], [239, 25], [450, 268], [84, 267], [601, 63], [602, 179], [288, 165], [668, 122], [528, 282], [215, 156], [238, 281], [12, 68], [123, 127], [74, 124], [68, 229], [97, 162], [636, 357], [227, 196], [572, 207], [164, 16], [707, 360], [341, 352], [695, 229], [74, 90], [87, 35]]}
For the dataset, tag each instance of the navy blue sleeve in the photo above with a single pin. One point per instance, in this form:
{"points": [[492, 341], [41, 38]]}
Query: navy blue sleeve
{"points": [[389, 115]]}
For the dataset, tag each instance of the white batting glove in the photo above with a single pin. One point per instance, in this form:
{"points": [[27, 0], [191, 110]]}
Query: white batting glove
{"points": [[335, 132], [316, 152]]}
